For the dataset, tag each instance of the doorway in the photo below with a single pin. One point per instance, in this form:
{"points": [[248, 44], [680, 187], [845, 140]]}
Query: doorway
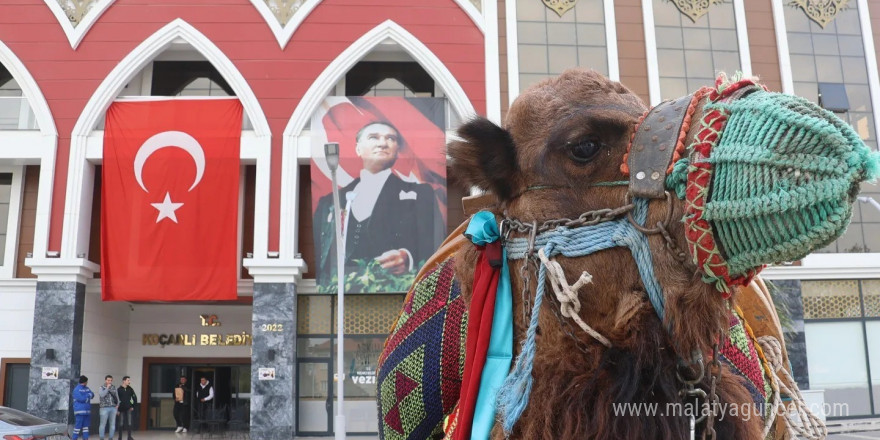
{"points": [[230, 378], [314, 407], [14, 373]]}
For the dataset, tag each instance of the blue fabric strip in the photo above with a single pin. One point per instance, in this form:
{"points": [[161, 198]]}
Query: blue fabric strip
{"points": [[482, 230]]}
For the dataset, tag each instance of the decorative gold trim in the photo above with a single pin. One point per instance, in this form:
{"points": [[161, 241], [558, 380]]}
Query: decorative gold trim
{"points": [[694, 9], [559, 6], [76, 9], [284, 9], [821, 11]]}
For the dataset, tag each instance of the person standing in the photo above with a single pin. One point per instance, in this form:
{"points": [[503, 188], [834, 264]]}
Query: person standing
{"points": [[181, 405], [109, 405], [127, 401], [205, 393], [82, 408]]}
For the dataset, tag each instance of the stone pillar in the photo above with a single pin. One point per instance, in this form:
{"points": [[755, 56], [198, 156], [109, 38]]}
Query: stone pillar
{"points": [[273, 401], [58, 326], [795, 339], [59, 309], [274, 346]]}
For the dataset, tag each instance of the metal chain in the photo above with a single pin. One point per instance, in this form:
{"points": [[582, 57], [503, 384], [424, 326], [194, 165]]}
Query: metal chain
{"points": [[588, 218], [715, 375], [567, 328], [526, 293]]}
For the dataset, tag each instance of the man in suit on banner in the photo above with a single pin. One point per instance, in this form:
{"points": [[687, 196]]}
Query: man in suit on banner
{"points": [[386, 219]]}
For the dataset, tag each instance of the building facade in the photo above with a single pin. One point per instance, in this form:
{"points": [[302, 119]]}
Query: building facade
{"points": [[271, 353]]}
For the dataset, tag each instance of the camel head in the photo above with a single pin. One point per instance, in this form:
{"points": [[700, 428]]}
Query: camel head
{"points": [[719, 184]]}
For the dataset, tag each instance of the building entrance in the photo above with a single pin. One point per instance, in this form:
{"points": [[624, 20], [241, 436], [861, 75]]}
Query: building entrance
{"points": [[230, 378]]}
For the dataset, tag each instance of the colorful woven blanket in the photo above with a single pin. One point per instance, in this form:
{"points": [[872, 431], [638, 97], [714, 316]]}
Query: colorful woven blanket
{"points": [[421, 368]]}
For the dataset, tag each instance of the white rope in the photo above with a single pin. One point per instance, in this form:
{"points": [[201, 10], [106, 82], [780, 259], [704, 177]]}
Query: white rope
{"points": [[569, 304], [807, 424]]}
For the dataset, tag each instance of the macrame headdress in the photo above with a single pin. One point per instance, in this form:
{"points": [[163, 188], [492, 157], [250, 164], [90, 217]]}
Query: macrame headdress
{"points": [[769, 178]]}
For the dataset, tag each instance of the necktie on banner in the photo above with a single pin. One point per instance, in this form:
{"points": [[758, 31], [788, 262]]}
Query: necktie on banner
{"points": [[169, 196]]}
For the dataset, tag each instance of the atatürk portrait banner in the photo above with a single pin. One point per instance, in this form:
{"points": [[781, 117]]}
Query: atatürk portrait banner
{"points": [[392, 188]]}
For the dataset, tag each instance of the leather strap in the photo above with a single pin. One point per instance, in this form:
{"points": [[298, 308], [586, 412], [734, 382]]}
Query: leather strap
{"points": [[653, 146]]}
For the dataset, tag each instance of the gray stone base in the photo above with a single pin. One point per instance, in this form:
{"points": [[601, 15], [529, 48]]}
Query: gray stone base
{"points": [[58, 326], [273, 402]]}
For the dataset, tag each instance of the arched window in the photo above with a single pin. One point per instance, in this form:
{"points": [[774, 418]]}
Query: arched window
{"points": [[15, 113], [377, 78], [188, 78]]}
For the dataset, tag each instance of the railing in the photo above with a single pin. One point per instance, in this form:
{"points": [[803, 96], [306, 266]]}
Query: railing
{"points": [[16, 114]]}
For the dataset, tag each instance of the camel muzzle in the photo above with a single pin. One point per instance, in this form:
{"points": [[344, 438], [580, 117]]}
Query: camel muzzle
{"points": [[768, 177]]}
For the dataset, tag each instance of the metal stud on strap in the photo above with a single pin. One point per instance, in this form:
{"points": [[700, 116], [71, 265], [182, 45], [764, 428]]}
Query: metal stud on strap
{"points": [[653, 146]]}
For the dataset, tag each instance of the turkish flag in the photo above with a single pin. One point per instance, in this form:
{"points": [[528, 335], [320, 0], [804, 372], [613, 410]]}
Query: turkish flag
{"points": [[169, 200]]}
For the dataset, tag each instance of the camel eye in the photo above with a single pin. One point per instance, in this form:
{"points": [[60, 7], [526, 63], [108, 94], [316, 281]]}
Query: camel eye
{"points": [[584, 151]]}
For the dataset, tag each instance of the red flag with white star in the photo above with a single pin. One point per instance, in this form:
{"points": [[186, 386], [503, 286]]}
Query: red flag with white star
{"points": [[169, 200]]}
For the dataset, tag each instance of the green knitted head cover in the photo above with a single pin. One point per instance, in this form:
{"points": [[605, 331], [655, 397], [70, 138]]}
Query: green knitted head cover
{"points": [[773, 178]]}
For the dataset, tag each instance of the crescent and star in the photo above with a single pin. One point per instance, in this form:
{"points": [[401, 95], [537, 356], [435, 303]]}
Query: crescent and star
{"points": [[177, 139]]}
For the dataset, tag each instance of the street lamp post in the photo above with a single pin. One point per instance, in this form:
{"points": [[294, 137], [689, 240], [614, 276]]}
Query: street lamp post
{"points": [[331, 153]]}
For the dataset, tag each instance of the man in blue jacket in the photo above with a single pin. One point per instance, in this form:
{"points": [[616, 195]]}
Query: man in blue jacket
{"points": [[82, 408]]}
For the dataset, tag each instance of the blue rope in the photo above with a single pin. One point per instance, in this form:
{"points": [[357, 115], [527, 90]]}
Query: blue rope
{"points": [[586, 240], [577, 242]]}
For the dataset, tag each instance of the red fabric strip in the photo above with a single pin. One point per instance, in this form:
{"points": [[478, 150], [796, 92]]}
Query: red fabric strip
{"points": [[481, 312]]}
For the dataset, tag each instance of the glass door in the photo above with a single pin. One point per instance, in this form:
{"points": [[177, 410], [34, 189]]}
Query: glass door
{"points": [[314, 407]]}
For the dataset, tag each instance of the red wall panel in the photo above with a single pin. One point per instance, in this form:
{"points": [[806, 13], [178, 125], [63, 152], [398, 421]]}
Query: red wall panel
{"points": [[279, 78]]}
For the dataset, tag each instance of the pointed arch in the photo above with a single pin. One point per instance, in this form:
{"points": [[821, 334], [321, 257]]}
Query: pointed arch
{"points": [[43, 149], [30, 89], [75, 34], [283, 33], [80, 176], [354, 53], [319, 89], [145, 52]]}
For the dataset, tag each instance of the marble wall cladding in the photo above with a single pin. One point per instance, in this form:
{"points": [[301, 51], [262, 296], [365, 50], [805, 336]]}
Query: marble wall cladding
{"points": [[795, 339], [58, 326], [274, 346]]}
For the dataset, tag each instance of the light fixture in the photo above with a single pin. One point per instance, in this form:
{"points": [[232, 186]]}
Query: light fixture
{"points": [[272, 254], [871, 201], [53, 254], [250, 255], [81, 255], [331, 153]]}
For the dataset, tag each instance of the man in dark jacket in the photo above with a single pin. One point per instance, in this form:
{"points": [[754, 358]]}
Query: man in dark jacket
{"points": [[181, 405], [127, 403], [205, 394]]}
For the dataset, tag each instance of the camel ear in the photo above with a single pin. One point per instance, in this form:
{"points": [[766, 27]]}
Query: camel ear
{"points": [[484, 157]]}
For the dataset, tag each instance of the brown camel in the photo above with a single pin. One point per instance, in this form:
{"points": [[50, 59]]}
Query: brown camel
{"points": [[562, 135], [559, 155]]}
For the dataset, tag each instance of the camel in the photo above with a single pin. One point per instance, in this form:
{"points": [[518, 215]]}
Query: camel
{"points": [[594, 329]]}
